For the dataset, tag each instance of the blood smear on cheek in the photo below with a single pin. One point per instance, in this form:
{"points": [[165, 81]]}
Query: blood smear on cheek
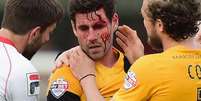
{"points": [[105, 37]]}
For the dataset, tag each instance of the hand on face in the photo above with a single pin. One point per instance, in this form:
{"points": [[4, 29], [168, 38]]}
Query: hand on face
{"points": [[128, 40]]}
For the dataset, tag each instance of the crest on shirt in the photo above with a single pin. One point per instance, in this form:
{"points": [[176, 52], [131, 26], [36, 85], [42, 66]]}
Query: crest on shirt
{"points": [[33, 84], [130, 80], [59, 87]]}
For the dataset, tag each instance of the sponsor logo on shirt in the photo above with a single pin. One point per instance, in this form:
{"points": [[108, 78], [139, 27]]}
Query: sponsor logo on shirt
{"points": [[130, 80], [33, 84], [59, 87]]}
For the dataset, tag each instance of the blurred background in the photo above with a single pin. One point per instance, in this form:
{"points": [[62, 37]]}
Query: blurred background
{"points": [[63, 37]]}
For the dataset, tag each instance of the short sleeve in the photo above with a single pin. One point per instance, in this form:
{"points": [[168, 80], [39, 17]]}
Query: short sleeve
{"points": [[138, 83], [63, 85]]}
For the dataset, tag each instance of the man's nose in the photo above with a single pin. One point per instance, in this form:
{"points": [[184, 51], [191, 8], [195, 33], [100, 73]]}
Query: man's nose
{"points": [[93, 35]]}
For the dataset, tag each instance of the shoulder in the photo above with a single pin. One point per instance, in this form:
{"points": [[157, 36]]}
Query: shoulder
{"points": [[22, 63], [147, 60], [19, 66], [63, 80], [17, 60], [61, 72], [13, 57], [147, 67]]}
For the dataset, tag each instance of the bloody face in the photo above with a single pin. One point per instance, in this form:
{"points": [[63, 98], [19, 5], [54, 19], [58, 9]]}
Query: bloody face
{"points": [[94, 32]]}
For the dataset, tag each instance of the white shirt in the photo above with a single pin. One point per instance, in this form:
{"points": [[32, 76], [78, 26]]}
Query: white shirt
{"points": [[19, 80]]}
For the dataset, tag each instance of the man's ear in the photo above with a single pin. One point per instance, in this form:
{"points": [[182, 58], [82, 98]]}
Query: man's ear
{"points": [[74, 29], [115, 21], [34, 33], [159, 25]]}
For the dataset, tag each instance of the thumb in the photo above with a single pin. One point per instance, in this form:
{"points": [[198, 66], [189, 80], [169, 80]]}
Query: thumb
{"points": [[58, 64]]}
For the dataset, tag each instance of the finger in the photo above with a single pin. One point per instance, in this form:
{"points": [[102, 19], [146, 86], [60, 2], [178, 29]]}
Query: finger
{"points": [[121, 44], [81, 52], [127, 31], [62, 58], [122, 37], [54, 69], [73, 59], [66, 60], [58, 63], [77, 47], [74, 48], [131, 32], [122, 30]]}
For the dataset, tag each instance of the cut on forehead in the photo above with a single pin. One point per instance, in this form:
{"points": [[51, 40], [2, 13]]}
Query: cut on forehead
{"points": [[98, 15]]}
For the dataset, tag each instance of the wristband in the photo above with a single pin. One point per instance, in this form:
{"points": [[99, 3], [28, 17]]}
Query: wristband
{"points": [[87, 76]]}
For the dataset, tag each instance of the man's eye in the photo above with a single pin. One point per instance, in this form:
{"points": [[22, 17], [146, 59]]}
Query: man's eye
{"points": [[98, 26], [83, 28]]}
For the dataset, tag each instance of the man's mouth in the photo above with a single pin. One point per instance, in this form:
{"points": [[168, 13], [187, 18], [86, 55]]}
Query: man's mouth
{"points": [[96, 46]]}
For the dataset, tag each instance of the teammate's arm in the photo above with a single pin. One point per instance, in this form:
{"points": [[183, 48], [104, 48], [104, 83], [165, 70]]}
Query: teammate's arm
{"points": [[90, 89], [131, 44], [84, 71]]}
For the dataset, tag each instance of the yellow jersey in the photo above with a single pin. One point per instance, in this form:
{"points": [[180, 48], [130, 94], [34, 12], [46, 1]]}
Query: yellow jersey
{"points": [[173, 75], [63, 86]]}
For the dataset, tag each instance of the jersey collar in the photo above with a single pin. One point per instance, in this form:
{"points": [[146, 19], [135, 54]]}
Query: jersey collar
{"points": [[7, 41]]}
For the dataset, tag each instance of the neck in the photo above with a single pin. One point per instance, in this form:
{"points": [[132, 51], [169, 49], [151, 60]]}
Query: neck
{"points": [[109, 59], [19, 40], [169, 42]]}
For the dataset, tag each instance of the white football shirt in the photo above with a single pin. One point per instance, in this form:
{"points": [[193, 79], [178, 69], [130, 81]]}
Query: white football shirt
{"points": [[19, 80]]}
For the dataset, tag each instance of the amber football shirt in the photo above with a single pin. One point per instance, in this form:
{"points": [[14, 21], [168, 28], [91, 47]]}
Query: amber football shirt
{"points": [[63, 86], [174, 75]]}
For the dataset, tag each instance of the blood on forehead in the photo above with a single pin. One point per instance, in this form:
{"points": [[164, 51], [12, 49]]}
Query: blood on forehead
{"points": [[97, 15]]}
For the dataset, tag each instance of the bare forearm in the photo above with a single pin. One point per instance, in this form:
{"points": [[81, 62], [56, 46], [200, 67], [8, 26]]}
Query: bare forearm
{"points": [[90, 89]]}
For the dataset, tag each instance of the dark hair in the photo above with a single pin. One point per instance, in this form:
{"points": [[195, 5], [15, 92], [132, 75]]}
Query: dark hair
{"points": [[86, 6], [20, 16], [180, 17]]}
